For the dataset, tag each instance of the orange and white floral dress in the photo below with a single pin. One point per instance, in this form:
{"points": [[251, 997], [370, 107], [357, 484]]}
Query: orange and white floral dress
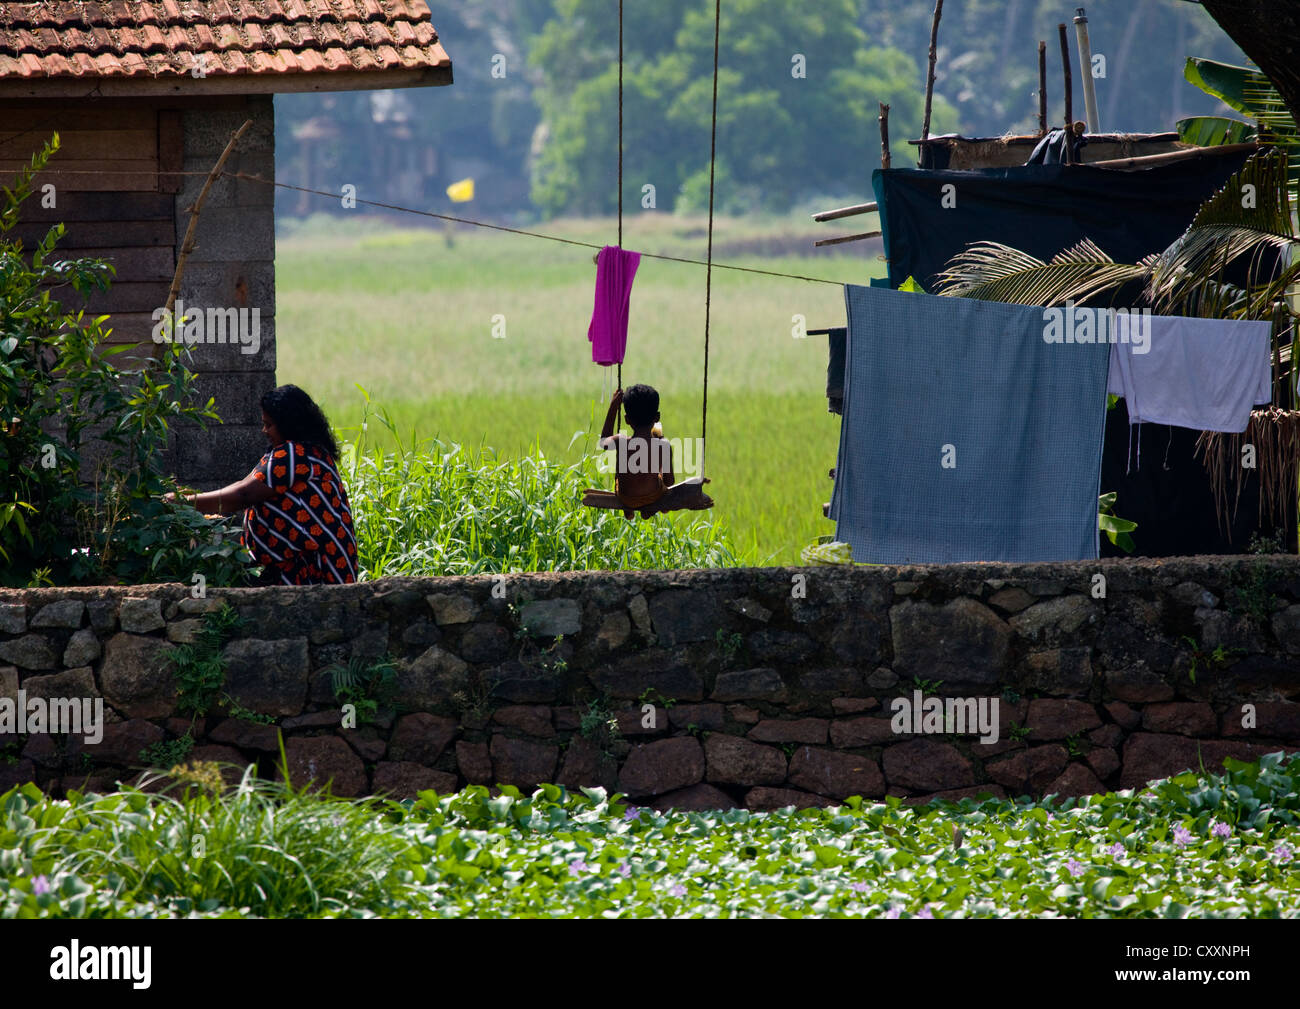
{"points": [[303, 535]]}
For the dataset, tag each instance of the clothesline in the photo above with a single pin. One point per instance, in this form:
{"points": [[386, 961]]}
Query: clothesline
{"points": [[477, 224]]}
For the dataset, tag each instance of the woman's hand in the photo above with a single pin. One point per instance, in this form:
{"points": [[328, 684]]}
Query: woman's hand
{"points": [[617, 398], [170, 497]]}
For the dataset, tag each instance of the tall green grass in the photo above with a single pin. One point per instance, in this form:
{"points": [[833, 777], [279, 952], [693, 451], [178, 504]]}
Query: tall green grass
{"points": [[427, 508], [411, 319]]}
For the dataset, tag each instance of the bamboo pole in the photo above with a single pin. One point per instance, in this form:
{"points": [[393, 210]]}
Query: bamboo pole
{"points": [[1150, 160], [1042, 89], [853, 211], [1069, 106], [187, 246], [929, 80], [884, 135]]}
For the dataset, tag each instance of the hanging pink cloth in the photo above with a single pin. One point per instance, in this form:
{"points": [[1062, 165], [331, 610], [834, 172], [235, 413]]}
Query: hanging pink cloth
{"points": [[615, 270]]}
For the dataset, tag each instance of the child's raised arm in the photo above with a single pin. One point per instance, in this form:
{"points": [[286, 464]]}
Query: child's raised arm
{"points": [[607, 432]]}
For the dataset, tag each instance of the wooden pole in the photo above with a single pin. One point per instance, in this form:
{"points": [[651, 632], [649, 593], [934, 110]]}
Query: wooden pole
{"points": [[1069, 106], [884, 135], [187, 246], [1042, 89], [929, 81]]}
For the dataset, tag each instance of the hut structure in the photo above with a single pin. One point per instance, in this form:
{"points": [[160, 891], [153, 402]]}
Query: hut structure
{"points": [[145, 97]]}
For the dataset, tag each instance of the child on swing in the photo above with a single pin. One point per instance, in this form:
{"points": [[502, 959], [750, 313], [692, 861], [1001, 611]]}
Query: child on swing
{"points": [[643, 478]]}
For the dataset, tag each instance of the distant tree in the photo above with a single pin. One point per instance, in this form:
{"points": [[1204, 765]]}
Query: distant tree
{"points": [[798, 93]]}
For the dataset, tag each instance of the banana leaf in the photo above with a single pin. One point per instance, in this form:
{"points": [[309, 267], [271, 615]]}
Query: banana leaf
{"points": [[1214, 131]]}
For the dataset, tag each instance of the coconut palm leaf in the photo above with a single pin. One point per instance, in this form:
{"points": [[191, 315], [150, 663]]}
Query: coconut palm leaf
{"points": [[1248, 219], [991, 271]]}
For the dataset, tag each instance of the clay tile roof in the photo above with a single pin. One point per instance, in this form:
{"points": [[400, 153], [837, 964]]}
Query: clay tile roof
{"points": [[107, 40]]}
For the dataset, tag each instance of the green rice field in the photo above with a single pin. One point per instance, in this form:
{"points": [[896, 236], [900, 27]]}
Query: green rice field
{"points": [[409, 316]]}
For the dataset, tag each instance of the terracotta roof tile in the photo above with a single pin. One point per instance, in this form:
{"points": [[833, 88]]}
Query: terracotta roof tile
{"points": [[122, 38]]}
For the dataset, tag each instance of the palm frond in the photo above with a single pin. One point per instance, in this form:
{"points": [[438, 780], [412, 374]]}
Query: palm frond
{"points": [[991, 271], [1248, 219]]}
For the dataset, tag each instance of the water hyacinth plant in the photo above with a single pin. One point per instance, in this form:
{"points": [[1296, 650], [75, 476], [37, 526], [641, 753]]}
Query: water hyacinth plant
{"points": [[1209, 845]]}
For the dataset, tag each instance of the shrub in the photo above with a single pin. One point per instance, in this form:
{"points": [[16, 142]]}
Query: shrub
{"points": [[63, 519]]}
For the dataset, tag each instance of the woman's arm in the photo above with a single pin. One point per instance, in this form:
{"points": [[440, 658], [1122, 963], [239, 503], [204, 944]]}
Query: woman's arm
{"points": [[230, 499]]}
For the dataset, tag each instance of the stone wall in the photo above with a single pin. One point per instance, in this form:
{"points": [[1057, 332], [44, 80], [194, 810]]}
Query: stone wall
{"points": [[756, 687]]}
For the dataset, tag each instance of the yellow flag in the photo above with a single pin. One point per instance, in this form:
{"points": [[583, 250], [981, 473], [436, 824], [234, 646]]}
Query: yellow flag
{"points": [[462, 191]]}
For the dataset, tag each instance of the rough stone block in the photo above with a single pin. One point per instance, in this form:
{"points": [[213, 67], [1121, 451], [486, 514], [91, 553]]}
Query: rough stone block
{"points": [[838, 775], [61, 613], [681, 615], [696, 798], [765, 800], [141, 615], [662, 766], [960, 642], [749, 685], [31, 651], [325, 760], [522, 762], [1029, 771], [405, 780], [790, 730], [927, 765], [735, 761], [136, 675], [268, 677], [1184, 718], [421, 738], [551, 617], [1060, 719]]}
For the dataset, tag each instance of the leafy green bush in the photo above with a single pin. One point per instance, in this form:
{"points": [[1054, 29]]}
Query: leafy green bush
{"points": [[62, 520], [433, 509], [1211, 845]]}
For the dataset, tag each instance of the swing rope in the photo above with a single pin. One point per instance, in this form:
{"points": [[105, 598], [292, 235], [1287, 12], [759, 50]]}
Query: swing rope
{"points": [[620, 172], [708, 269]]}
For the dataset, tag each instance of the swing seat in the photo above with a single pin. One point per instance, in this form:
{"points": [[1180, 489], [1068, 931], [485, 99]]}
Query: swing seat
{"points": [[685, 496]]}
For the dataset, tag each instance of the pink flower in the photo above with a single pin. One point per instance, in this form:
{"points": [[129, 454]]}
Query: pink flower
{"points": [[577, 867], [925, 912], [1115, 850], [1282, 852], [40, 885], [1221, 830], [1182, 836], [1076, 868], [893, 912], [677, 890]]}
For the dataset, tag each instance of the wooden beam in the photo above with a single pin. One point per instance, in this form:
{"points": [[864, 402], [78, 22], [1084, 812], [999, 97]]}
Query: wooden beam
{"points": [[853, 211], [846, 238]]}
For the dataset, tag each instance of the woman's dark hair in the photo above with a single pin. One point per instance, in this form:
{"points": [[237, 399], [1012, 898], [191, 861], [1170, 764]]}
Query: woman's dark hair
{"points": [[298, 418]]}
